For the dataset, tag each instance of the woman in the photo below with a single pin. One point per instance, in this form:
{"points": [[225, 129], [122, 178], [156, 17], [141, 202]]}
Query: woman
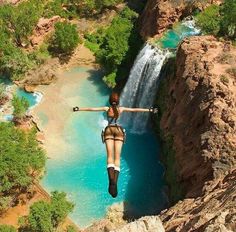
{"points": [[114, 136]]}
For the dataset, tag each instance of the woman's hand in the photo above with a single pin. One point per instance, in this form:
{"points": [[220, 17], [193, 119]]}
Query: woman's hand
{"points": [[76, 108], [153, 110]]}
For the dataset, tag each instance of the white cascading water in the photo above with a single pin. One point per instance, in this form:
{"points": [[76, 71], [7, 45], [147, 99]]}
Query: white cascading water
{"points": [[141, 87]]}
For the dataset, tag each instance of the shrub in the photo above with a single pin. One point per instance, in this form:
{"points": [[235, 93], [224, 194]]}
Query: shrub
{"points": [[110, 80], [5, 203], [225, 58], [209, 20], [60, 207], [6, 228], [224, 79], [71, 229], [46, 216], [20, 106], [13, 62], [39, 218], [66, 38], [232, 71], [22, 160], [228, 22]]}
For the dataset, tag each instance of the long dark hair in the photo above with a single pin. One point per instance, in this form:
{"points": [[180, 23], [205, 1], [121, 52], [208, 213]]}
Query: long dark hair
{"points": [[114, 102]]}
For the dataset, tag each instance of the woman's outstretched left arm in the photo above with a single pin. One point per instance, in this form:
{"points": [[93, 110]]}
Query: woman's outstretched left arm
{"points": [[76, 108]]}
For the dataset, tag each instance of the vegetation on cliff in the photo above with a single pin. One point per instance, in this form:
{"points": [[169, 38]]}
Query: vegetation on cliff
{"points": [[47, 216], [22, 162], [116, 46], [219, 20], [6, 228], [65, 38], [17, 24], [20, 106], [168, 152]]}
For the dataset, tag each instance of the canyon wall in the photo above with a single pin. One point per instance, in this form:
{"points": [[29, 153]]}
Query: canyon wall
{"points": [[160, 15], [199, 114]]}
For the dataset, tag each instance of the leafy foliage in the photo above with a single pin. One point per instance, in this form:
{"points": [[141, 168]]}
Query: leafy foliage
{"points": [[209, 20], [55, 7], [40, 217], [88, 7], [65, 38], [219, 20], [228, 22], [22, 20], [21, 159], [20, 106], [5, 203], [13, 60], [46, 216], [71, 229], [115, 42], [6, 228], [117, 46]]}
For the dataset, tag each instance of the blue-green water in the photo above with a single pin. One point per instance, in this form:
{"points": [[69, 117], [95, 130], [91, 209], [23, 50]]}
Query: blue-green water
{"points": [[82, 174], [31, 98], [82, 171], [172, 37]]}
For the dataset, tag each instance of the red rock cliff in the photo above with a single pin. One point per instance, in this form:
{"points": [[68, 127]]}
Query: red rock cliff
{"points": [[200, 115], [162, 14]]}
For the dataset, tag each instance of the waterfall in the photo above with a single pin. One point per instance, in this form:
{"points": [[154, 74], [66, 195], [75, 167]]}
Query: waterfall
{"points": [[142, 84], [141, 87]]}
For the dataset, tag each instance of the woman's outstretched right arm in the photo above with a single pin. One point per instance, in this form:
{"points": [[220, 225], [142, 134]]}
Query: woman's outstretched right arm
{"points": [[76, 108], [126, 109]]}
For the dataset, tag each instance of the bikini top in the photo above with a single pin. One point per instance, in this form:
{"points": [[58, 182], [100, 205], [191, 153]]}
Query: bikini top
{"points": [[111, 116]]}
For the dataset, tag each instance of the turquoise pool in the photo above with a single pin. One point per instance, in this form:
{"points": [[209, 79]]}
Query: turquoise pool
{"points": [[172, 37], [82, 175]]}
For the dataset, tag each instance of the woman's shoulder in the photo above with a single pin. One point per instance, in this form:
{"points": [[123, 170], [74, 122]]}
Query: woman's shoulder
{"points": [[121, 109]]}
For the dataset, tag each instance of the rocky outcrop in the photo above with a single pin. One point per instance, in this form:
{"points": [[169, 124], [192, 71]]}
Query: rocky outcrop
{"points": [[42, 29], [42, 75], [200, 117], [215, 211], [160, 15], [144, 224]]}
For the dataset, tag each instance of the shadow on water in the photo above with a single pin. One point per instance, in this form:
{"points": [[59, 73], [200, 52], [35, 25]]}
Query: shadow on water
{"points": [[147, 196], [95, 78]]}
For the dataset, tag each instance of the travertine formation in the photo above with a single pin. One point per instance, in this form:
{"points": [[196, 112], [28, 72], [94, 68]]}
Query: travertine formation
{"points": [[200, 116], [160, 15]]}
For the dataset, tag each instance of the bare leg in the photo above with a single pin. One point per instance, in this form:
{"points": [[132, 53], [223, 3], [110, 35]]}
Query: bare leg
{"points": [[118, 147], [110, 151]]}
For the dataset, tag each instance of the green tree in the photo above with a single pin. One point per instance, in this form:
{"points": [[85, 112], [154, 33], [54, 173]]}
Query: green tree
{"points": [[209, 20], [5, 203], [24, 19], [46, 216], [6, 228], [66, 38], [116, 40], [60, 207], [20, 106], [39, 218], [13, 61], [21, 159], [228, 22]]}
